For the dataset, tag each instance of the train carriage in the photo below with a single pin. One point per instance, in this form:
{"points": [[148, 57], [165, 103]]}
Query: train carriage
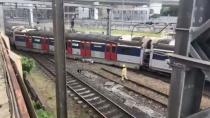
{"points": [[19, 41], [158, 57], [103, 49], [106, 49], [30, 41]]}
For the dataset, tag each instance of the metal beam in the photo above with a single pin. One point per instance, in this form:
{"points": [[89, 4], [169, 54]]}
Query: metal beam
{"points": [[186, 90], [60, 56], [190, 62], [202, 114], [178, 76]]}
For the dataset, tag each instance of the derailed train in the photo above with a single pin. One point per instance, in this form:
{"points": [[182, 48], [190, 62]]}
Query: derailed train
{"points": [[100, 48]]}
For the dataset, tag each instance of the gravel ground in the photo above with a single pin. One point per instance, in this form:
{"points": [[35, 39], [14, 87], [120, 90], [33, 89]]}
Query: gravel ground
{"points": [[129, 98]]}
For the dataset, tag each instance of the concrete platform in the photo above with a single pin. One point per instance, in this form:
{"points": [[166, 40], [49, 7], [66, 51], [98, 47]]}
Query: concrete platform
{"points": [[4, 100]]}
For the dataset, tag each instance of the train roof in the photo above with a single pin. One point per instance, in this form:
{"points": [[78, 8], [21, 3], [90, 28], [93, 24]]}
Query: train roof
{"points": [[88, 37], [102, 39], [165, 44]]}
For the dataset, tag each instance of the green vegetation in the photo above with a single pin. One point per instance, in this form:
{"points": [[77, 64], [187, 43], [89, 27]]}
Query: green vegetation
{"points": [[118, 32], [27, 64], [41, 113]]}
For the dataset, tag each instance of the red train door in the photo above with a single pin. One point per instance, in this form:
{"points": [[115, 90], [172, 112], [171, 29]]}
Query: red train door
{"points": [[45, 45], [111, 52], [29, 43], [107, 51], [87, 49], [69, 47], [82, 48], [114, 52]]}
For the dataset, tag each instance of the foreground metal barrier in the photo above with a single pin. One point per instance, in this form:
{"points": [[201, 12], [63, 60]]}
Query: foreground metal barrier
{"points": [[17, 101]]}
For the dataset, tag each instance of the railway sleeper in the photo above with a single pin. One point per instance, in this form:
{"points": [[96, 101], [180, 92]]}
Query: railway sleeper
{"points": [[98, 102], [117, 114], [104, 108], [73, 84], [88, 95], [84, 92], [92, 99], [81, 89], [77, 87], [70, 81], [112, 113]]}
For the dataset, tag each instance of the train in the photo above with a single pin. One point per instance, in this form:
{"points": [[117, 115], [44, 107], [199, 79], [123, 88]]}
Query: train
{"points": [[111, 50]]}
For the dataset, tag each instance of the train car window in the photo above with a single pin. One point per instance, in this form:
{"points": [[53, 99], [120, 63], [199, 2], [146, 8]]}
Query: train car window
{"points": [[51, 42], [75, 44], [160, 56], [97, 47], [125, 50], [132, 51], [36, 40], [20, 38]]}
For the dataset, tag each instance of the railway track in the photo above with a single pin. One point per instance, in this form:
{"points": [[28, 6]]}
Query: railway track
{"points": [[104, 106], [149, 93]]}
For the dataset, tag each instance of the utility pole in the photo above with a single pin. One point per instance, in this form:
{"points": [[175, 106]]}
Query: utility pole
{"points": [[31, 16], [109, 22], [58, 24], [123, 5]]}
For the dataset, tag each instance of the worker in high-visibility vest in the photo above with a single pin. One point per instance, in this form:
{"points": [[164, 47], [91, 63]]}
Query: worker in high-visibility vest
{"points": [[124, 73]]}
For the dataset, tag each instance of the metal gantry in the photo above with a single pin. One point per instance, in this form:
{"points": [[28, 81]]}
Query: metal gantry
{"points": [[190, 62]]}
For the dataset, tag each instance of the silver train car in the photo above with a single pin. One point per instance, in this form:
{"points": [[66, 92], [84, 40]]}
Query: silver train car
{"points": [[102, 49], [158, 55]]}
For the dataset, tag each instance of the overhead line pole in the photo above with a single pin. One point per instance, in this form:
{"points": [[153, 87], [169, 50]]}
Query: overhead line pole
{"points": [[58, 29], [109, 22]]}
